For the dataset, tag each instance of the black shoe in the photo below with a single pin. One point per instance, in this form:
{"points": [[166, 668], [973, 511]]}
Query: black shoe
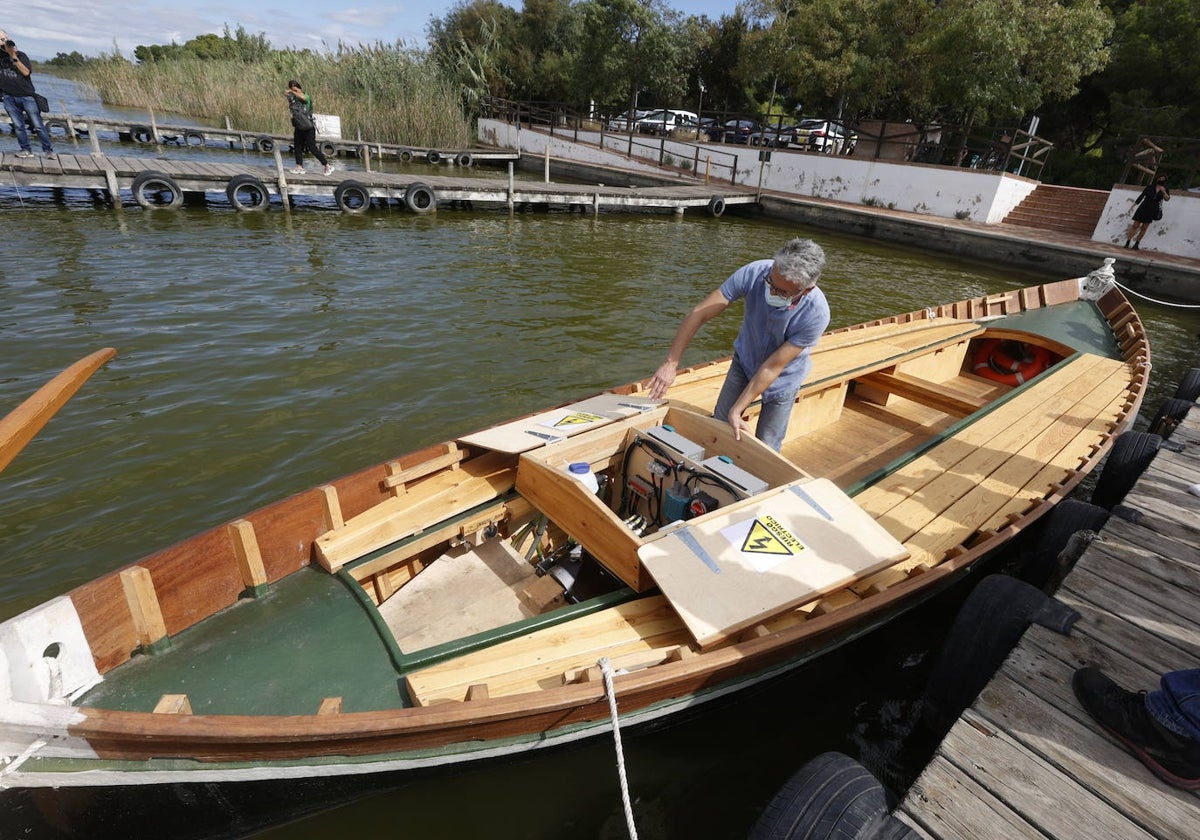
{"points": [[1173, 758], [1126, 243], [1135, 246]]}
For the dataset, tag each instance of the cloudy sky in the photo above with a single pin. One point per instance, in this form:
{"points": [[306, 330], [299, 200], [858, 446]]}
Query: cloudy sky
{"points": [[43, 28]]}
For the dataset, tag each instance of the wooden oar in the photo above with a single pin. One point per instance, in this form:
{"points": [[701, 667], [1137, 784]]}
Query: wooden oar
{"points": [[27, 419]]}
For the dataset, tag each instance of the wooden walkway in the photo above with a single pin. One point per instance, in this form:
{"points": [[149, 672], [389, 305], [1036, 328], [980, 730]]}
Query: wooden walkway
{"points": [[117, 175], [1026, 761]]}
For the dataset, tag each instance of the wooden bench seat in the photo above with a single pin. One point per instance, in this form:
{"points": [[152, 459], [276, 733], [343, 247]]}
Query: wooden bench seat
{"points": [[643, 630], [1001, 464], [839, 357], [932, 394]]}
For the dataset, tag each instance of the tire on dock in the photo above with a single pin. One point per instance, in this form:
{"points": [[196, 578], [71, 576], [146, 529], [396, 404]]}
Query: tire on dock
{"points": [[193, 138], [420, 198], [830, 796], [141, 134], [716, 206], [352, 197], [406, 155], [329, 150], [57, 128], [433, 156], [1169, 414], [156, 190], [1131, 453], [464, 159], [265, 143], [1189, 386], [247, 193]]}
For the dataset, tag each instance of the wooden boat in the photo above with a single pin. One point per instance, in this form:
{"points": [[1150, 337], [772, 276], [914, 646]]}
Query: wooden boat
{"points": [[476, 599]]}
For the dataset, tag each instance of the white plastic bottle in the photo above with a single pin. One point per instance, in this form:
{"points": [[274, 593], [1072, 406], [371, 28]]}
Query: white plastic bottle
{"points": [[582, 471]]}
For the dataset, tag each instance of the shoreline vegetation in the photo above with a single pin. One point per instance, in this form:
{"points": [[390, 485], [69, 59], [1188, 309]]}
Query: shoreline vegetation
{"points": [[383, 93]]}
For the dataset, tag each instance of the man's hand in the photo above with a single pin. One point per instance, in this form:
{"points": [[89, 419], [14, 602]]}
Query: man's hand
{"points": [[663, 378], [739, 424]]}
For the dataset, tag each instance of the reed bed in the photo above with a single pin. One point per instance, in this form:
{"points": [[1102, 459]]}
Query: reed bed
{"points": [[387, 94]]}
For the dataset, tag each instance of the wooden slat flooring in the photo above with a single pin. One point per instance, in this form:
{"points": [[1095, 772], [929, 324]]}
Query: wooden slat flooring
{"points": [[1026, 760]]}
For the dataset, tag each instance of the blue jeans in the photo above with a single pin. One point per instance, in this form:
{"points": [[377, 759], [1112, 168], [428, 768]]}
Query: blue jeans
{"points": [[772, 418], [1176, 705], [18, 107]]}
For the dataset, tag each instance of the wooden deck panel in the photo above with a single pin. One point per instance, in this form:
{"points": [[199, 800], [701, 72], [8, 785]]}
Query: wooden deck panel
{"points": [[1026, 760], [540, 658], [838, 356]]}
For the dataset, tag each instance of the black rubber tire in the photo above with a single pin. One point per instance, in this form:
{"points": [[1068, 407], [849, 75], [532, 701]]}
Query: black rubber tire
{"points": [[988, 625], [149, 187], [832, 796], [247, 193], [193, 138], [1049, 536], [464, 159], [406, 156], [433, 156], [141, 134], [1131, 453], [352, 197], [1169, 414], [265, 143], [57, 128], [716, 207], [1189, 386], [420, 198]]}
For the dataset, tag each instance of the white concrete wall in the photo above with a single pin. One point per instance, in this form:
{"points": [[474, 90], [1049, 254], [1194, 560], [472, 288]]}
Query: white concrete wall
{"points": [[1178, 232], [981, 195]]}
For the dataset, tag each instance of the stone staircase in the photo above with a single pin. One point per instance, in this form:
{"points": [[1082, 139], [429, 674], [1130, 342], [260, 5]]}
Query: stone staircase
{"points": [[1065, 209]]}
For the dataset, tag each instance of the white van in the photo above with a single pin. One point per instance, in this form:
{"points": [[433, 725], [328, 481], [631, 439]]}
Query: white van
{"points": [[668, 121]]}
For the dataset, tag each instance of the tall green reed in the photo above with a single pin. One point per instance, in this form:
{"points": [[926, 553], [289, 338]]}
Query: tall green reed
{"points": [[383, 93]]}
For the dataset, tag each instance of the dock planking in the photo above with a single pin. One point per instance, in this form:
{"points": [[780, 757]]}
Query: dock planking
{"points": [[107, 173], [1026, 760]]}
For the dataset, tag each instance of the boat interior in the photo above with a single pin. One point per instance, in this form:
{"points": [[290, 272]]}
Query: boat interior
{"points": [[486, 568]]}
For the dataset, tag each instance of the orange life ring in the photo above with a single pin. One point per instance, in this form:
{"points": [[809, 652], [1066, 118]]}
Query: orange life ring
{"points": [[1009, 362]]}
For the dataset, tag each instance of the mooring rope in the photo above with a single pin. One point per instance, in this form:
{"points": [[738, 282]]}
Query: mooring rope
{"points": [[1153, 300], [607, 670], [27, 754]]}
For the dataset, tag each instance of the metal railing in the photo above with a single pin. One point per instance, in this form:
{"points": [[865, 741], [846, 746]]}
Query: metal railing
{"points": [[675, 150]]}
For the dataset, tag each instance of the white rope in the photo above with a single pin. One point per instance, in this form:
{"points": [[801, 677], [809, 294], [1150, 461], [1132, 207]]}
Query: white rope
{"points": [[606, 669], [1159, 302], [20, 759]]}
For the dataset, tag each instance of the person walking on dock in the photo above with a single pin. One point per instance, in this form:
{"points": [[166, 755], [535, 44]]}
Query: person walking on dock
{"points": [[304, 128], [1149, 209], [16, 84], [785, 314]]}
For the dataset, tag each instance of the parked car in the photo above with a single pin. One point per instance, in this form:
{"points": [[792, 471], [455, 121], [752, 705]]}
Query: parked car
{"points": [[623, 122], [734, 131], [831, 138], [778, 136], [668, 121]]}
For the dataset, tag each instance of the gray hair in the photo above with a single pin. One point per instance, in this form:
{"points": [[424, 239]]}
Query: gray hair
{"points": [[800, 261]]}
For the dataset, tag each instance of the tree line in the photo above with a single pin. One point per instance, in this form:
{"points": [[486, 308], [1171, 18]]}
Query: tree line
{"points": [[1097, 73]]}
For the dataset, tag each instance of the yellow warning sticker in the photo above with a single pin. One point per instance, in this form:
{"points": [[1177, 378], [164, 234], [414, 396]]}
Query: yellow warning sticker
{"points": [[767, 535], [578, 418]]}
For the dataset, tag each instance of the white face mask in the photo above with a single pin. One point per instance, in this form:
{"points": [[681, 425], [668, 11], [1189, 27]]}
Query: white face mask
{"points": [[776, 301]]}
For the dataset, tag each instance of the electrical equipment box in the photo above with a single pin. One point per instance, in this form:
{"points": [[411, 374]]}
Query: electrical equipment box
{"points": [[735, 475], [677, 442]]}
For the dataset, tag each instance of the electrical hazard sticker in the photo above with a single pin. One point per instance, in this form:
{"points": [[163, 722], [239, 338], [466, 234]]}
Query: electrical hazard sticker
{"points": [[764, 542], [578, 418], [570, 419]]}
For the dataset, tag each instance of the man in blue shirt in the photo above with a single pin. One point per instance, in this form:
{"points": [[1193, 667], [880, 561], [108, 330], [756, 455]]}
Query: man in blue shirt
{"points": [[785, 314]]}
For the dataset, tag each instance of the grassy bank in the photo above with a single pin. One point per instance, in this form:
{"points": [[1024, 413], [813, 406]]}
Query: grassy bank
{"points": [[382, 93]]}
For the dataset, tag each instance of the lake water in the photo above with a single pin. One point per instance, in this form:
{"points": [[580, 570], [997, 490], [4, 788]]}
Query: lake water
{"points": [[260, 354]]}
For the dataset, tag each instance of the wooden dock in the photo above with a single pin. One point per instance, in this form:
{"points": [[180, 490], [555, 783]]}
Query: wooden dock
{"points": [[1026, 761], [148, 133], [157, 182]]}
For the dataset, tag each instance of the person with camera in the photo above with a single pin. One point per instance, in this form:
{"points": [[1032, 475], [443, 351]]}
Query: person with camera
{"points": [[16, 84]]}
